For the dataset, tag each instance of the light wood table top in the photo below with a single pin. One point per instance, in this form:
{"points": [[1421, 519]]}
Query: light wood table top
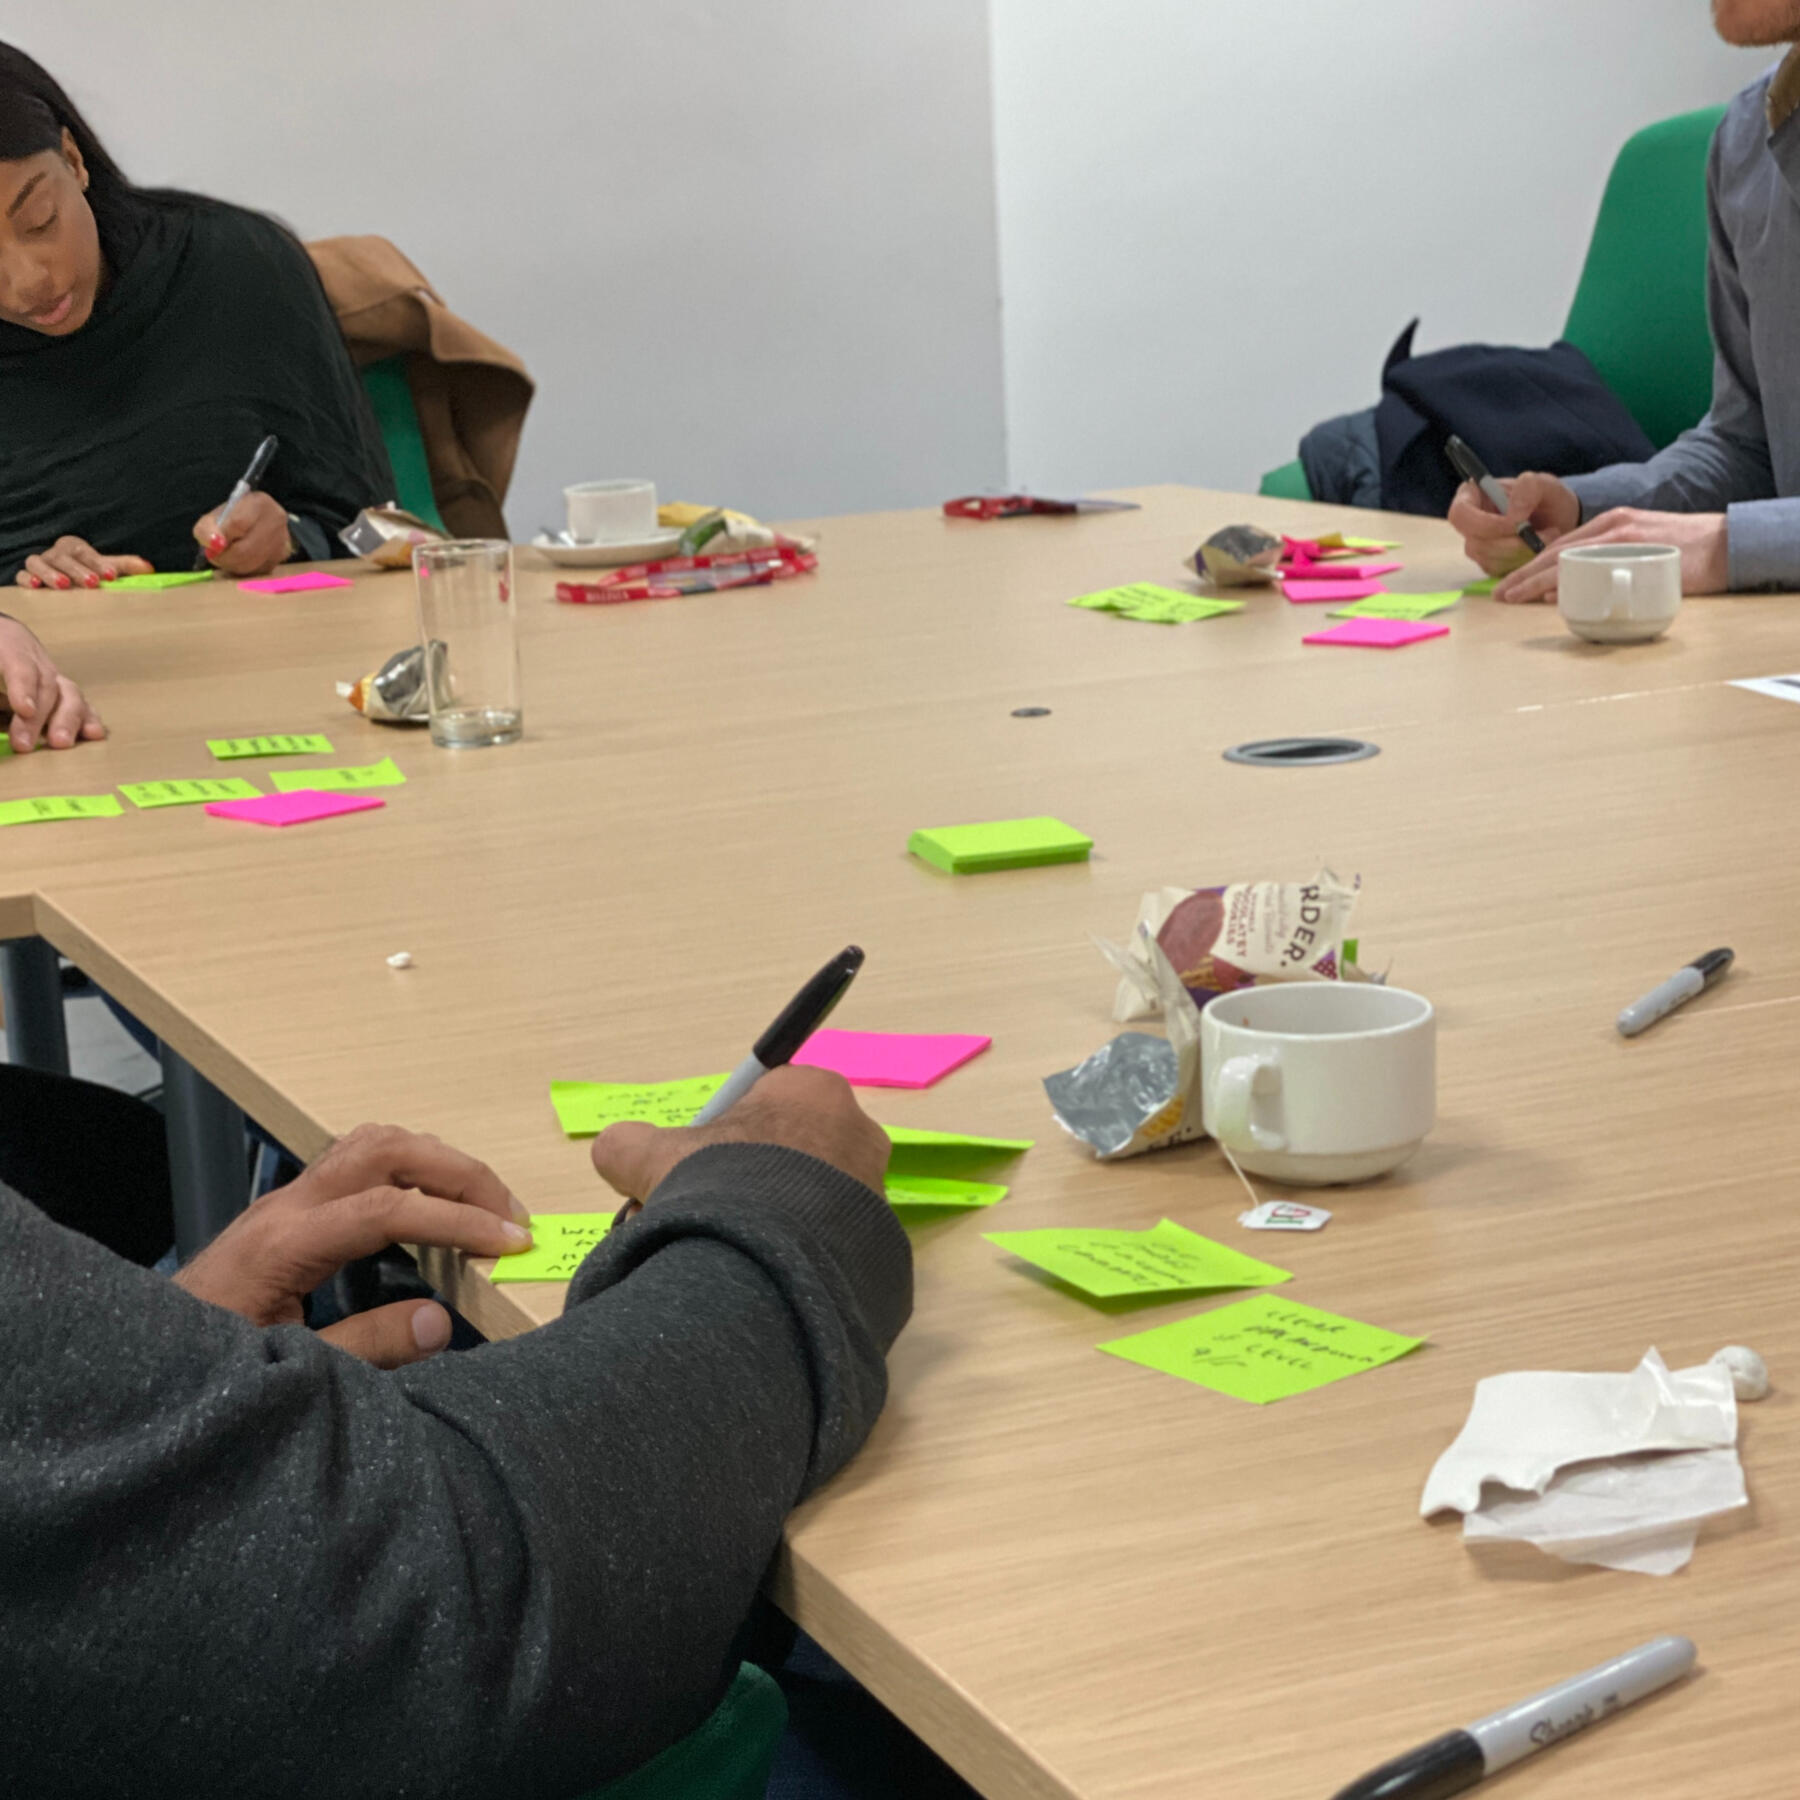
{"points": [[1074, 1576]]}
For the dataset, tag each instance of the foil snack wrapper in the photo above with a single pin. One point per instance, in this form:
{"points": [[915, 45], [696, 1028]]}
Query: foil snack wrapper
{"points": [[1238, 556], [396, 694], [1138, 1092], [385, 535], [1220, 939]]}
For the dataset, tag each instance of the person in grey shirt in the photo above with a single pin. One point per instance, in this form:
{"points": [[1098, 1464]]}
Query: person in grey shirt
{"points": [[1726, 493], [238, 1559]]}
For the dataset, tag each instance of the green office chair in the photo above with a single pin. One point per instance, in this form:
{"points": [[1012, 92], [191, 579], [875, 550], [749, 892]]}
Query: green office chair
{"points": [[1639, 313], [726, 1758], [390, 393]]}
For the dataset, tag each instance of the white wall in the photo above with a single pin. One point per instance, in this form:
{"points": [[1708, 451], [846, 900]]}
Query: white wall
{"points": [[746, 248], [1216, 215]]}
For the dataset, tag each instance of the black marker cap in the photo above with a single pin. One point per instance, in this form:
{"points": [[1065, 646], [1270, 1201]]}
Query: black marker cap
{"points": [[808, 1010], [1450, 1764]]}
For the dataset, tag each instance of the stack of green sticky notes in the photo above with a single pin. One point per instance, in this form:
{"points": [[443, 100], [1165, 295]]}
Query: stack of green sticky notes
{"points": [[156, 583], [1156, 605], [1398, 606], [1166, 1259], [1001, 844]]}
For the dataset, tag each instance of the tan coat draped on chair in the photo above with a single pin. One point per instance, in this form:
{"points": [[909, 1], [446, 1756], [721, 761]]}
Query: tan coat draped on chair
{"points": [[470, 392]]}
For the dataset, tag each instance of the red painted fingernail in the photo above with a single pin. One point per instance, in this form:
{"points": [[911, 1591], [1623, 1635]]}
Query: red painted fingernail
{"points": [[112, 574], [93, 581], [32, 581], [62, 581], [216, 541]]}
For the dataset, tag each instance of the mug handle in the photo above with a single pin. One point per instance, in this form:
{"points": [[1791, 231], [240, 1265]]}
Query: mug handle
{"points": [[1238, 1082], [1621, 591]]}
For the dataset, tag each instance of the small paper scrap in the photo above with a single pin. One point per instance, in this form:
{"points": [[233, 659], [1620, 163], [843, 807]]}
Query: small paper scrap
{"points": [[1398, 606], [276, 744], [896, 1059], [1263, 1349], [51, 807], [154, 584], [1284, 1215], [321, 781], [1166, 1259], [188, 793], [295, 584], [1319, 593], [927, 1190], [401, 959], [560, 1243], [1000, 844], [1155, 605], [1377, 634], [292, 809]]}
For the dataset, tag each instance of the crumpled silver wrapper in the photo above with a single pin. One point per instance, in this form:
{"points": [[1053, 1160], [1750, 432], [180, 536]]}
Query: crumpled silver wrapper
{"points": [[1108, 1099]]}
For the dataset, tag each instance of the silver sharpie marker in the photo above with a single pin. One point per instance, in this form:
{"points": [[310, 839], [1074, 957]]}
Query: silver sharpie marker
{"points": [[1459, 1759], [1681, 987]]}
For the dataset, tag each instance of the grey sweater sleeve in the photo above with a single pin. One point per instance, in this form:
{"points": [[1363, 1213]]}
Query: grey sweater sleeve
{"points": [[239, 1561]]}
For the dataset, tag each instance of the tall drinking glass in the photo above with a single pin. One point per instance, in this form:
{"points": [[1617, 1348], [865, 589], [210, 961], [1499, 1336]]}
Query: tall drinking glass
{"points": [[467, 627]]}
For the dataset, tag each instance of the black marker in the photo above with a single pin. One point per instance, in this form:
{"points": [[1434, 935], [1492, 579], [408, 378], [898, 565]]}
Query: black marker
{"points": [[259, 465], [1681, 987], [1471, 468], [800, 1018], [1458, 1760]]}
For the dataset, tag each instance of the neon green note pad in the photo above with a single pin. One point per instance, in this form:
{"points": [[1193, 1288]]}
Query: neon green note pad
{"points": [[381, 774], [59, 806], [172, 578], [1166, 1259], [1264, 1348], [1002, 844], [276, 744], [1398, 606], [189, 793]]}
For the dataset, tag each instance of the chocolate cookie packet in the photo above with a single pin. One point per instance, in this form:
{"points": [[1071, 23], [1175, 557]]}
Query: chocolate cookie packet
{"points": [[1220, 939]]}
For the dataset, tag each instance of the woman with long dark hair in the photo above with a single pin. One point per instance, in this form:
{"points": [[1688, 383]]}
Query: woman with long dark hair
{"points": [[149, 340]]}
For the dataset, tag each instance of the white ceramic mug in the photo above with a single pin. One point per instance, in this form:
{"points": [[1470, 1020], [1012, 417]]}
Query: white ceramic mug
{"points": [[611, 512], [1619, 593], [1316, 1082]]}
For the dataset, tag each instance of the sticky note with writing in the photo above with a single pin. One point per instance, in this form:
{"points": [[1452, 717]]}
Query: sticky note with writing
{"points": [[585, 1108], [326, 781], [1398, 606], [559, 1245], [927, 1190], [50, 807], [1264, 1348], [274, 744], [171, 578], [1155, 604], [901, 1059], [1166, 1259], [188, 793], [999, 844]]}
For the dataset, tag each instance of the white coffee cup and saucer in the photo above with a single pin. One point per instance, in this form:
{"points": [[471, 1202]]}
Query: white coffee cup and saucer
{"points": [[1316, 1083], [1619, 593], [610, 524]]}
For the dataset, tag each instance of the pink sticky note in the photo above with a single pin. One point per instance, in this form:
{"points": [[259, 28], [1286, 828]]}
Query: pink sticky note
{"points": [[1345, 571], [1308, 593], [294, 584], [1365, 634], [296, 808], [902, 1059]]}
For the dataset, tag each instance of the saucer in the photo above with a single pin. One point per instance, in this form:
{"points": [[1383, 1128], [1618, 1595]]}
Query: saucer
{"points": [[658, 545]]}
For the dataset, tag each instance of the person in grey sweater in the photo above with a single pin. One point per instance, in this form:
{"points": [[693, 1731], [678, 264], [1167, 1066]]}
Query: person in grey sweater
{"points": [[238, 1559], [1727, 493]]}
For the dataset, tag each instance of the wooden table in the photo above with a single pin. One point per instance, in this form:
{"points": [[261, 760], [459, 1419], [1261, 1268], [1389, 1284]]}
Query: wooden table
{"points": [[1071, 1575]]}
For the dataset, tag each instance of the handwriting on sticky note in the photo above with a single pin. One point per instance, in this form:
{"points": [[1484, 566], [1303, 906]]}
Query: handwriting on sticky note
{"points": [[49, 808], [274, 744], [927, 1190], [328, 781], [560, 1243], [1156, 605], [292, 809], [1166, 1259], [188, 793], [1398, 606], [1378, 634], [585, 1108], [899, 1059], [1264, 1348], [295, 584]]}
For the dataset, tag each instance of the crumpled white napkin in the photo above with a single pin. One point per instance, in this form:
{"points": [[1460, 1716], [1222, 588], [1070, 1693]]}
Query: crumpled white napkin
{"points": [[1614, 1503]]}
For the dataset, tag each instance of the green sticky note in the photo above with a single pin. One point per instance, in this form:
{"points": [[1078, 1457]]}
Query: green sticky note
{"points": [[1157, 605], [370, 775], [559, 1245], [1264, 1348], [945, 1155], [155, 583], [1398, 606], [188, 793], [6, 748], [927, 1190], [1003, 844], [59, 806], [910, 1137], [226, 749], [1359, 543], [1483, 587], [1166, 1259], [586, 1108]]}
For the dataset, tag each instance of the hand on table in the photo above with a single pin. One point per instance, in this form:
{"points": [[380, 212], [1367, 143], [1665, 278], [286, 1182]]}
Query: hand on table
{"points": [[798, 1109], [73, 562], [377, 1186], [254, 541], [1492, 540], [1700, 537], [45, 704]]}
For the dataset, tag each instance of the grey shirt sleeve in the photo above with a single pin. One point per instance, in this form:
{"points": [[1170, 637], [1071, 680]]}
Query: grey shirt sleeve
{"points": [[1723, 463], [239, 1561]]}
